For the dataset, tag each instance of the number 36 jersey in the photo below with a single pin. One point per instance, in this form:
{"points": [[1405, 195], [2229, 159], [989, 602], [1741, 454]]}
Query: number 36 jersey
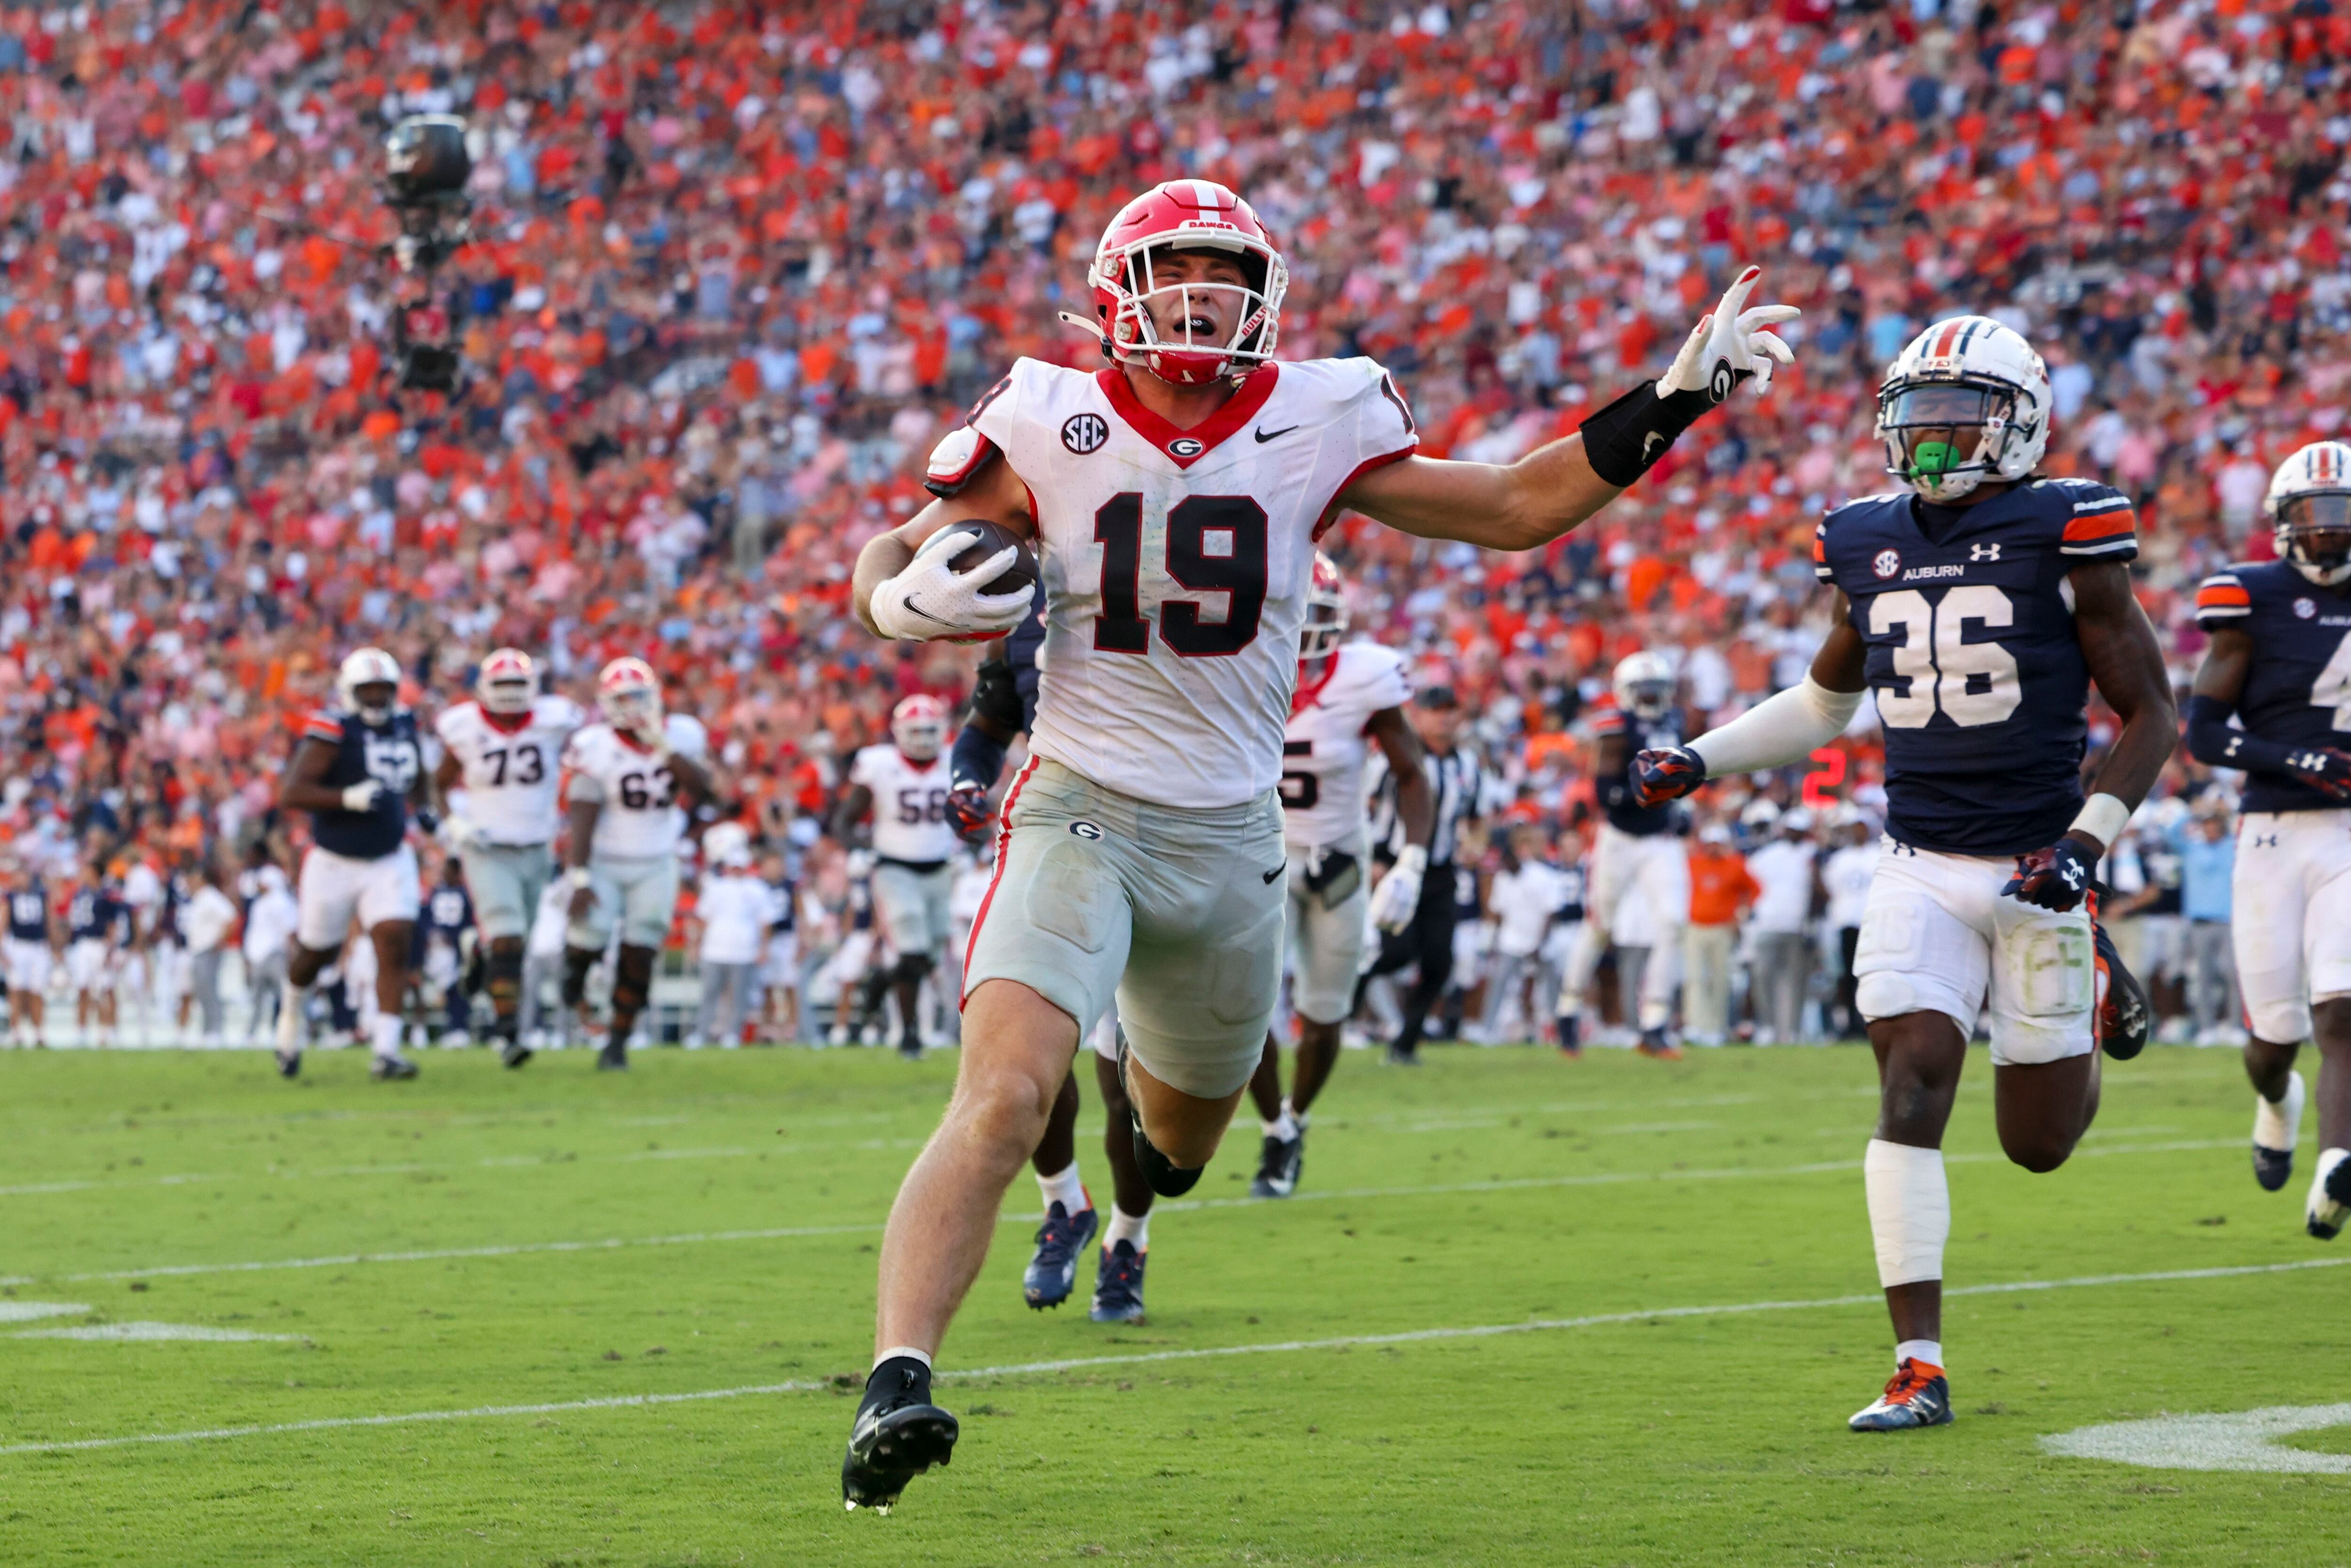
{"points": [[512, 764], [2298, 685], [1973, 658], [641, 818], [1177, 562]]}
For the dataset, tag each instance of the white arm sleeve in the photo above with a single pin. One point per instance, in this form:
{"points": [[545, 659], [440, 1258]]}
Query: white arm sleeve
{"points": [[1784, 727]]}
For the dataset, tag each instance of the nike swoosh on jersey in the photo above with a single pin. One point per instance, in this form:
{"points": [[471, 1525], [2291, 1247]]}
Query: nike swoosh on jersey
{"points": [[1274, 872], [1264, 435]]}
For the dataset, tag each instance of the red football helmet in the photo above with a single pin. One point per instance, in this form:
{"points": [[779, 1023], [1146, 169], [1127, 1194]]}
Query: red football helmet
{"points": [[1326, 610], [919, 726], [1186, 214]]}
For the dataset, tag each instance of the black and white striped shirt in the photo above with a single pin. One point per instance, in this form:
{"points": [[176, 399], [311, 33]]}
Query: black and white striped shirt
{"points": [[1460, 782]]}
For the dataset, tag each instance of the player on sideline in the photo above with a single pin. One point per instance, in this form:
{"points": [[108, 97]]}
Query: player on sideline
{"points": [[98, 928], [355, 772], [499, 778], [32, 953], [903, 782], [1003, 705], [1977, 604], [1346, 693], [2281, 662], [631, 784], [1639, 851], [1176, 495]]}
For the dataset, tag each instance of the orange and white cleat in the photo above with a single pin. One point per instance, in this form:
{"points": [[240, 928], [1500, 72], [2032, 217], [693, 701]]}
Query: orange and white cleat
{"points": [[1657, 1047], [1918, 1395]]}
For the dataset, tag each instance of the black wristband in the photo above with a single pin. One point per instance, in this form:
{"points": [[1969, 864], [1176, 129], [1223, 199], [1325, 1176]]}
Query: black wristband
{"points": [[1622, 441]]}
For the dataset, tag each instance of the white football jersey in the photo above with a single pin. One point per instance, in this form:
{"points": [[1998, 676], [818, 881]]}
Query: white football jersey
{"points": [[512, 771], [1177, 562], [909, 803], [640, 819], [1324, 780]]}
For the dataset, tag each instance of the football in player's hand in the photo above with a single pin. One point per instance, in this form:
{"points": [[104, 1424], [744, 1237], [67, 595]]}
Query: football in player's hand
{"points": [[989, 538]]}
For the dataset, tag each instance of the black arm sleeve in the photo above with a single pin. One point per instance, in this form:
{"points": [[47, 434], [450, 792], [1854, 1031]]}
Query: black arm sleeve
{"points": [[2215, 742], [978, 759]]}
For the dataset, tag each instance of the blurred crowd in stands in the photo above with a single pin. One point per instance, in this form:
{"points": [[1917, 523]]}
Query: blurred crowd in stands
{"points": [[737, 267]]}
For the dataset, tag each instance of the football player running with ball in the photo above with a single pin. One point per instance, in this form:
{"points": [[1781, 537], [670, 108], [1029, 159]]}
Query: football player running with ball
{"points": [[358, 770], [1176, 495], [1347, 693], [2281, 663], [505, 748], [1977, 604]]}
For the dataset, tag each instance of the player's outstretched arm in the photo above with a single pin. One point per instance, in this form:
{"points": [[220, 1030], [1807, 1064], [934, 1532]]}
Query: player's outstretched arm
{"points": [[994, 494], [1785, 728], [1527, 504]]}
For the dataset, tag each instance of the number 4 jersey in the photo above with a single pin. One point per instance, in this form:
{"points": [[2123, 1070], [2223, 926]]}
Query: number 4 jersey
{"points": [[2298, 685], [511, 765], [1973, 658], [640, 818], [1177, 562]]}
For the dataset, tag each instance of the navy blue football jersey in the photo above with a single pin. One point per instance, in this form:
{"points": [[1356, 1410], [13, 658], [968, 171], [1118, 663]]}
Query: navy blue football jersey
{"points": [[28, 913], [1624, 812], [98, 915], [448, 911], [2298, 686], [1020, 651], [387, 752], [1973, 659]]}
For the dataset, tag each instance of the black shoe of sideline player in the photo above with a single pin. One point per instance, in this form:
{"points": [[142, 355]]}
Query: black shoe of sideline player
{"points": [[289, 1064], [1278, 1166], [897, 1435], [613, 1058]]}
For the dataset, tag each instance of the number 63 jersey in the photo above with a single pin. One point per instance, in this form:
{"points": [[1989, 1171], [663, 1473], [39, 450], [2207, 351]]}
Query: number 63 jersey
{"points": [[1177, 562], [511, 767], [1973, 658], [640, 818]]}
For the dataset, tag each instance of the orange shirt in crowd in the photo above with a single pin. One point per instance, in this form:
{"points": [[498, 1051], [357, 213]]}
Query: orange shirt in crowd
{"points": [[1720, 883]]}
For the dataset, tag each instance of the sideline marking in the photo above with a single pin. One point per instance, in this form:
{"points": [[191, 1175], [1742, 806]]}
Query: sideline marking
{"points": [[146, 1333], [1409, 1336], [1337, 1194], [2244, 1440]]}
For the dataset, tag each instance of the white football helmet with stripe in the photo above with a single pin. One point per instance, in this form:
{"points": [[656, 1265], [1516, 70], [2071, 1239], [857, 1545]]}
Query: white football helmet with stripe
{"points": [[363, 667], [2310, 504], [1967, 400], [1642, 685]]}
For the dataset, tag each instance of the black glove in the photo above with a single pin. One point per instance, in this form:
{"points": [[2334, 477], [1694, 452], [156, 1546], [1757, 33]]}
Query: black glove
{"points": [[2323, 767], [1666, 773], [2055, 878]]}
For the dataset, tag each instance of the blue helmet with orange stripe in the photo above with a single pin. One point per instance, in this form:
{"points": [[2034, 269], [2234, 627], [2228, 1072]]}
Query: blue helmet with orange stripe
{"points": [[2309, 502], [1967, 400]]}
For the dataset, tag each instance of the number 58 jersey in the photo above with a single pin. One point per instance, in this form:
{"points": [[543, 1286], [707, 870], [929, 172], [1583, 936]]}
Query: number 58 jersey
{"points": [[1177, 562], [1973, 657], [640, 817], [511, 770]]}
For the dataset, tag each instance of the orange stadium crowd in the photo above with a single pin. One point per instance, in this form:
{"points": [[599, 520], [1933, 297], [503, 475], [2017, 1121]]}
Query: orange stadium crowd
{"points": [[736, 269]]}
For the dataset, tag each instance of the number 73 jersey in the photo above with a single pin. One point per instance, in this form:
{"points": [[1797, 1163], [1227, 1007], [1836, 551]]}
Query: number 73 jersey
{"points": [[511, 765], [1177, 562], [1973, 658]]}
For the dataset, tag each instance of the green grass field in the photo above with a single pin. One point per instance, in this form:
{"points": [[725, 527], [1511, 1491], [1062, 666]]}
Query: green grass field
{"points": [[1678, 1256]]}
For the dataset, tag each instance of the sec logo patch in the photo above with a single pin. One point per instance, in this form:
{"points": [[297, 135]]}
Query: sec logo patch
{"points": [[1084, 432], [1185, 446], [1887, 563], [2305, 608]]}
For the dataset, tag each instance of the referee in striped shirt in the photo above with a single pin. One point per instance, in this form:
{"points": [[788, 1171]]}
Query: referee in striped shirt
{"points": [[1458, 780]]}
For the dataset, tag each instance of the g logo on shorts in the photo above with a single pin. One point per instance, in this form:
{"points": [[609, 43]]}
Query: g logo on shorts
{"points": [[1085, 830]]}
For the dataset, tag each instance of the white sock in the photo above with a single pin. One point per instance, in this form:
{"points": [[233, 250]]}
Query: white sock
{"points": [[1284, 1126], [907, 1351], [1299, 1117], [1909, 1211], [383, 1034], [1925, 1351], [1064, 1189], [1133, 1229], [2277, 1123]]}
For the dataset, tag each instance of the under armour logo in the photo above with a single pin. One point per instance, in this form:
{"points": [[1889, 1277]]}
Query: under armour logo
{"points": [[2265, 841], [1984, 552], [2073, 874]]}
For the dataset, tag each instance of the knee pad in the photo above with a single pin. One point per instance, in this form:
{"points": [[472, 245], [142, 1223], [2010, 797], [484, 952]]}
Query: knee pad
{"points": [[502, 972], [577, 962], [633, 980]]}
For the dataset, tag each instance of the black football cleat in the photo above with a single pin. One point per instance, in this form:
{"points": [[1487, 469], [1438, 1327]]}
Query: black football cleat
{"points": [[2125, 1020], [289, 1063], [1118, 1285], [2330, 1197], [1918, 1395], [513, 1052], [1570, 1028], [392, 1069], [897, 1435], [1657, 1047], [2274, 1167], [1403, 1056], [1278, 1166], [613, 1058], [1052, 1272]]}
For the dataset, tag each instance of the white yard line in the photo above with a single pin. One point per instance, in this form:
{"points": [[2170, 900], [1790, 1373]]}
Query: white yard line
{"points": [[1334, 1195], [1144, 1358]]}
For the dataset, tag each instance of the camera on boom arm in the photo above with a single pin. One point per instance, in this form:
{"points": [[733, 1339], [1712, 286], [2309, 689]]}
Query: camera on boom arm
{"points": [[425, 168]]}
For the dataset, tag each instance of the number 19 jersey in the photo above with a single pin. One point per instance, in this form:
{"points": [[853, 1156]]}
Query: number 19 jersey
{"points": [[1973, 658], [511, 765], [1177, 562]]}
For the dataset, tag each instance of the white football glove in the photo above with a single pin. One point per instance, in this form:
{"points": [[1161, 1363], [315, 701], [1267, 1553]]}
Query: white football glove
{"points": [[930, 599], [1730, 342], [459, 832], [361, 795], [1397, 898]]}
